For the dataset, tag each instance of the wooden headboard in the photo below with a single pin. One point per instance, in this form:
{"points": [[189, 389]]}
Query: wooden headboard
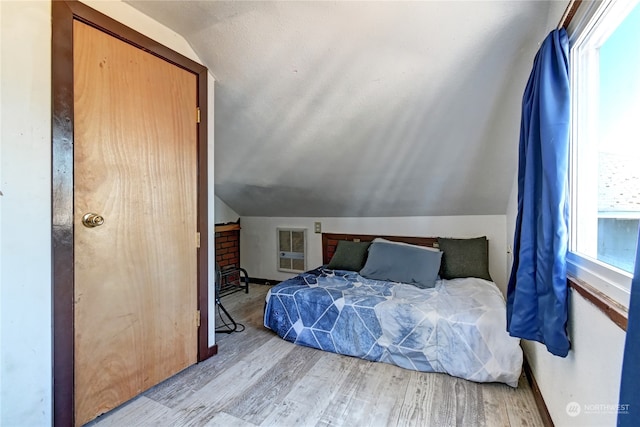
{"points": [[330, 241]]}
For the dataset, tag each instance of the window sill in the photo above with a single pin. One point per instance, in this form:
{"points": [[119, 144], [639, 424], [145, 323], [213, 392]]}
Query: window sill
{"points": [[612, 309]]}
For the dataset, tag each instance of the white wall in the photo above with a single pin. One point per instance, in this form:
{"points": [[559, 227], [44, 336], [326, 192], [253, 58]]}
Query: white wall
{"points": [[25, 214], [224, 213], [25, 207], [258, 247], [589, 375]]}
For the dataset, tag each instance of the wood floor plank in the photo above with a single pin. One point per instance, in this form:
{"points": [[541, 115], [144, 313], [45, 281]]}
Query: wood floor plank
{"points": [[175, 390], [233, 382], [417, 402], [494, 397], [230, 350], [469, 405], [386, 394], [334, 415], [259, 379], [313, 393], [521, 407], [222, 419], [443, 407], [367, 397], [140, 411], [270, 389]]}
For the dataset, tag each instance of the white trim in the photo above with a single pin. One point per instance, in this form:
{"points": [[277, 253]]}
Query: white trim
{"points": [[583, 15]]}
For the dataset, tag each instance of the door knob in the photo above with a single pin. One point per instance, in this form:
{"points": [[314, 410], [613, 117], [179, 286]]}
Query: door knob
{"points": [[92, 220]]}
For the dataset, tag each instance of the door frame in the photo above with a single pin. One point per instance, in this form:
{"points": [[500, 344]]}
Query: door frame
{"points": [[62, 121]]}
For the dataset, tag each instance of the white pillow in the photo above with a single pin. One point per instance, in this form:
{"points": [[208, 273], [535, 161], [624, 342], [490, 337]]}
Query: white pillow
{"points": [[428, 248]]}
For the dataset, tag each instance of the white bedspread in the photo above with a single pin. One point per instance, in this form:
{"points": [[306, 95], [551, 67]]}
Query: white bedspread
{"points": [[459, 327]]}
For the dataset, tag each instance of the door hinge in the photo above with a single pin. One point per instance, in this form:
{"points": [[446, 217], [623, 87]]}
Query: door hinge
{"points": [[197, 114], [198, 318], [198, 239]]}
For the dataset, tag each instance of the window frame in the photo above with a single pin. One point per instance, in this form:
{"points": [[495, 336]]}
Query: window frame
{"points": [[605, 278]]}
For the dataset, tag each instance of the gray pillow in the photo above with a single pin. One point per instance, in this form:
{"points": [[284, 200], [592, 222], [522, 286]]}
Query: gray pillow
{"points": [[464, 258], [349, 255], [402, 263]]}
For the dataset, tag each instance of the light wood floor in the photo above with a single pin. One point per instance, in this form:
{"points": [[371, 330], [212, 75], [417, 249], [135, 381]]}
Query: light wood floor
{"points": [[258, 379]]}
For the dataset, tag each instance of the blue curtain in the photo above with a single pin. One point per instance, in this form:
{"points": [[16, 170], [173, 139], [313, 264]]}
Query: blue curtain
{"points": [[629, 408], [537, 291]]}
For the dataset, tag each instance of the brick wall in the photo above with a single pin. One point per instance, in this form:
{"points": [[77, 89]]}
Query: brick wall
{"points": [[228, 248]]}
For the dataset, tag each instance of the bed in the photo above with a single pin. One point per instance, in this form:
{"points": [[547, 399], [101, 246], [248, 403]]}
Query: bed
{"points": [[380, 300]]}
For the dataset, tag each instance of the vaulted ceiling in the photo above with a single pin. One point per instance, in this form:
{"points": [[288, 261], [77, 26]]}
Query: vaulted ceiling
{"points": [[334, 108]]}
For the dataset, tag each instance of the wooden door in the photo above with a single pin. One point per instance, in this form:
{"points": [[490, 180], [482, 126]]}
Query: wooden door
{"points": [[135, 164]]}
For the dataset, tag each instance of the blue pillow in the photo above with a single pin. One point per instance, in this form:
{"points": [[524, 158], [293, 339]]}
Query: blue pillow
{"points": [[402, 263]]}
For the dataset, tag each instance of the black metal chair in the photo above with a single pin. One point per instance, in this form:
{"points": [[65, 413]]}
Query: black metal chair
{"points": [[229, 279]]}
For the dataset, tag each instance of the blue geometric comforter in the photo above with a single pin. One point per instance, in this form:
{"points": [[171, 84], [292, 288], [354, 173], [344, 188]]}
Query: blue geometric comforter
{"points": [[457, 328]]}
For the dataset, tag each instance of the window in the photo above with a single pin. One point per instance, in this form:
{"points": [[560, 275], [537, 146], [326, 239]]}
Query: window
{"points": [[292, 250], [605, 145]]}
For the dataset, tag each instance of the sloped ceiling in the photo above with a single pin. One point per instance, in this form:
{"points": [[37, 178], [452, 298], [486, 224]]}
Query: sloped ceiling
{"points": [[363, 108]]}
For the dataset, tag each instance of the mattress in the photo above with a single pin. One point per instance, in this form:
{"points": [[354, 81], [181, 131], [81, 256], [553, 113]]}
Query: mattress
{"points": [[458, 327]]}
